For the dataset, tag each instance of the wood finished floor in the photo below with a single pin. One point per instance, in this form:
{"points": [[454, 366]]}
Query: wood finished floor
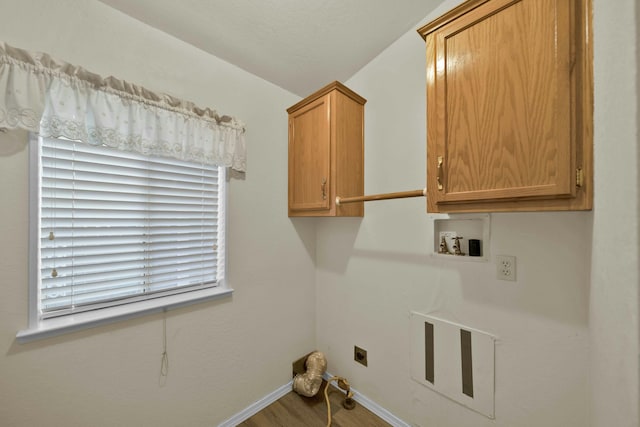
{"points": [[293, 410]]}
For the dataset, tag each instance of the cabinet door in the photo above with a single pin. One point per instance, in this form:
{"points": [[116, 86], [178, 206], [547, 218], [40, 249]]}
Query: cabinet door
{"points": [[309, 156], [499, 101]]}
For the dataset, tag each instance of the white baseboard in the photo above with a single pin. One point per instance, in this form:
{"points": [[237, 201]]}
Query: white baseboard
{"points": [[374, 407], [256, 407], [378, 410]]}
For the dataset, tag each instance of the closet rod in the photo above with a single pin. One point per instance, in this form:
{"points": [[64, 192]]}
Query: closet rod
{"points": [[384, 196]]}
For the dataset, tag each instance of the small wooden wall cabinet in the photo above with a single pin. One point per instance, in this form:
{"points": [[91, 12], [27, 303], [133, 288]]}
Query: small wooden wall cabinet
{"points": [[510, 106], [326, 152]]}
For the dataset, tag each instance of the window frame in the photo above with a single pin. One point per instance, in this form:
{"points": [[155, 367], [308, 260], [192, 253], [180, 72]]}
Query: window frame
{"points": [[43, 328]]}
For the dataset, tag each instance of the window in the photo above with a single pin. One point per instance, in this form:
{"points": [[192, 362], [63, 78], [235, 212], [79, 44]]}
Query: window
{"points": [[116, 229]]}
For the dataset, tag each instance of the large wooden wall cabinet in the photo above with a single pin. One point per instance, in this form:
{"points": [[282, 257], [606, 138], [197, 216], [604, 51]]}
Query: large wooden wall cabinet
{"points": [[326, 152], [510, 106]]}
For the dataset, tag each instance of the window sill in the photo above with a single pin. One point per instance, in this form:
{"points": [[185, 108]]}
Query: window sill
{"points": [[75, 322]]}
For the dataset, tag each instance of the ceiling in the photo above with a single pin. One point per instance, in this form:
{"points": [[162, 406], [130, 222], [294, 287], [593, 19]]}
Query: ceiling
{"points": [[299, 45]]}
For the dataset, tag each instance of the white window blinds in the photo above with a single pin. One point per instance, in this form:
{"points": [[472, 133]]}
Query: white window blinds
{"points": [[118, 227]]}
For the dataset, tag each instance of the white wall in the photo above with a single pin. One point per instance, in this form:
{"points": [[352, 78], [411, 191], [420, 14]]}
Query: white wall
{"points": [[613, 320], [222, 355], [371, 272]]}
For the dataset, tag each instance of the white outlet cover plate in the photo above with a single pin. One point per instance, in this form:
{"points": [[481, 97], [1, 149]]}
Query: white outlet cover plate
{"points": [[506, 267]]}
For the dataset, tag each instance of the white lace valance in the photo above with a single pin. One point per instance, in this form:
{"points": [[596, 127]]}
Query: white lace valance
{"points": [[57, 99]]}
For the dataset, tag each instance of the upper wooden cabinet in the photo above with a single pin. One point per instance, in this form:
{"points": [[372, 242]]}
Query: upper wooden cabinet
{"points": [[509, 107], [326, 152]]}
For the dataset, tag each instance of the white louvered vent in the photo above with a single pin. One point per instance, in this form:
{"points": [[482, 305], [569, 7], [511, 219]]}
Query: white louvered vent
{"points": [[454, 360]]}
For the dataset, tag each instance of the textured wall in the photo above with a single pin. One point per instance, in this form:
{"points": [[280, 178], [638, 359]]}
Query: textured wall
{"points": [[613, 319], [222, 355], [560, 327]]}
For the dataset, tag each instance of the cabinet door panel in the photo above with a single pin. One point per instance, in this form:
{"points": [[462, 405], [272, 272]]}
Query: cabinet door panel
{"points": [[309, 157], [503, 101]]}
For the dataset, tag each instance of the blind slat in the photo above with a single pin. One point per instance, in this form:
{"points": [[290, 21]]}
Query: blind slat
{"points": [[101, 223], [86, 255], [64, 154]]}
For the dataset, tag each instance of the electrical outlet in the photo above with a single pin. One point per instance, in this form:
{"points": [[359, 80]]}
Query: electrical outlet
{"points": [[506, 267], [360, 355]]}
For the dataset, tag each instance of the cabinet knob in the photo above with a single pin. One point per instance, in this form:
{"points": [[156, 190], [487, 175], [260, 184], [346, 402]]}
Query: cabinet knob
{"points": [[439, 175], [324, 188]]}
